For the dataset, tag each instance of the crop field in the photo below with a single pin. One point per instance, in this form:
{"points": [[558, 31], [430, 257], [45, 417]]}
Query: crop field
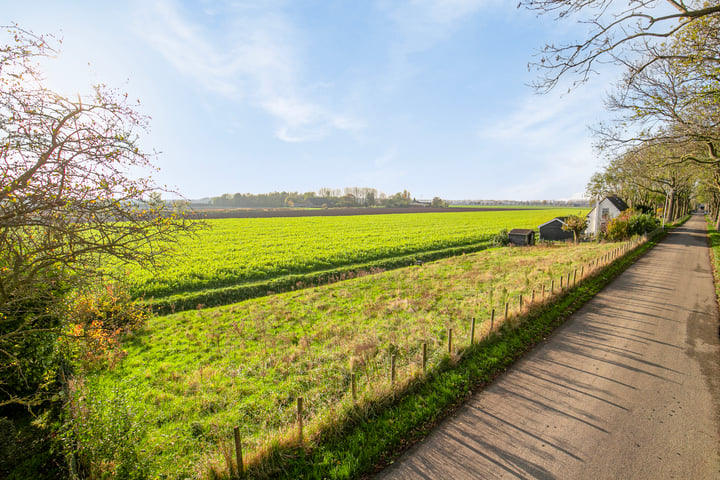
{"points": [[168, 405], [242, 250]]}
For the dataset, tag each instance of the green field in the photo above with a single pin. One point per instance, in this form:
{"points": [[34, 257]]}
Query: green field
{"points": [[169, 406], [241, 251]]}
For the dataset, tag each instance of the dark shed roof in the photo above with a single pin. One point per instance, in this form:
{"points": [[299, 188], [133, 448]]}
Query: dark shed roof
{"points": [[522, 236], [556, 219], [618, 202]]}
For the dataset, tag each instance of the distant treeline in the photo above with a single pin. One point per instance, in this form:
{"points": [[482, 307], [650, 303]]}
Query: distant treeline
{"points": [[325, 198]]}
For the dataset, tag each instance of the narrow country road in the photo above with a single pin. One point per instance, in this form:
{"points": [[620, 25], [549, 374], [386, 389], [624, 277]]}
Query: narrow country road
{"points": [[627, 388]]}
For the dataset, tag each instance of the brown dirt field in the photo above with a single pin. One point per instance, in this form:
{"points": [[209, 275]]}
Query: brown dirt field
{"points": [[327, 212]]}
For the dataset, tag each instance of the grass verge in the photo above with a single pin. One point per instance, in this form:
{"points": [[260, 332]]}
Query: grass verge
{"points": [[714, 244]]}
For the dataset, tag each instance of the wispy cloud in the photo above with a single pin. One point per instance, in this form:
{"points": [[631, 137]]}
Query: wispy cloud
{"points": [[541, 120], [548, 133], [422, 23], [442, 12], [416, 26], [247, 54]]}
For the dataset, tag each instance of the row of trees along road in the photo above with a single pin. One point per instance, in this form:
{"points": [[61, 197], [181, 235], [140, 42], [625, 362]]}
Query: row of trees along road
{"points": [[662, 145], [68, 203]]}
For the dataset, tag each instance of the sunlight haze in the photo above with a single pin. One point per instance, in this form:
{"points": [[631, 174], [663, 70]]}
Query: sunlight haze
{"points": [[428, 96]]}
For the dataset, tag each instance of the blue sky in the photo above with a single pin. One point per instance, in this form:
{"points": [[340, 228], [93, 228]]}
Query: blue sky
{"points": [[257, 96]]}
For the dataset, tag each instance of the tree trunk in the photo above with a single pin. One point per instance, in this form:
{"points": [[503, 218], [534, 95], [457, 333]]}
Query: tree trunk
{"points": [[670, 210]]}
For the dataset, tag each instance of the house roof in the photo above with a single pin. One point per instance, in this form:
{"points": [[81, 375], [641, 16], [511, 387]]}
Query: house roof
{"points": [[521, 231], [558, 219], [618, 202]]}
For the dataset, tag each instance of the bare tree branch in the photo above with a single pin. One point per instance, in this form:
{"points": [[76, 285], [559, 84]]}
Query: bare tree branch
{"points": [[614, 24]]}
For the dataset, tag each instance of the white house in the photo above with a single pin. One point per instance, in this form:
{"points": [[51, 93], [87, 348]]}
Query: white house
{"points": [[607, 208]]}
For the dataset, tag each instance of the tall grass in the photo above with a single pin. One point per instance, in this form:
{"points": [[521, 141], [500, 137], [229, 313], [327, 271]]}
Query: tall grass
{"points": [[714, 241], [192, 376]]}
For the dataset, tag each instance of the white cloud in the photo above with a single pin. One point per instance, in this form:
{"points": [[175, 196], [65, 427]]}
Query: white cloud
{"points": [[545, 121], [445, 12], [422, 23], [549, 137], [296, 136], [253, 56]]}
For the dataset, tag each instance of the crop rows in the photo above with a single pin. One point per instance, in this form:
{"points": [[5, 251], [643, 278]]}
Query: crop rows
{"points": [[238, 251]]}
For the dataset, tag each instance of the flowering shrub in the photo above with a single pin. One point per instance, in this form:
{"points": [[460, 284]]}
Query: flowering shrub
{"points": [[99, 319], [630, 223]]}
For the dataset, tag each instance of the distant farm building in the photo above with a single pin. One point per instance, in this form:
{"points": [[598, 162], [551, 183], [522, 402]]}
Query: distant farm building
{"points": [[603, 211], [553, 230], [521, 236]]}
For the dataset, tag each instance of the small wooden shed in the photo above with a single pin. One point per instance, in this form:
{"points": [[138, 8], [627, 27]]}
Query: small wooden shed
{"points": [[552, 230], [522, 236]]}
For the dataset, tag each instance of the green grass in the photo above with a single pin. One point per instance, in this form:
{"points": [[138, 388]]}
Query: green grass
{"points": [[371, 441], [236, 252], [714, 241], [188, 378], [525, 207]]}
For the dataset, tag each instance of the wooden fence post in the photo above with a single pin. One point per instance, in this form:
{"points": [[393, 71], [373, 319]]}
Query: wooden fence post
{"points": [[506, 312], [472, 331], [424, 356], [532, 297], [238, 452], [300, 419], [521, 304], [552, 286], [450, 341], [353, 383], [392, 369], [575, 277], [492, 319]]}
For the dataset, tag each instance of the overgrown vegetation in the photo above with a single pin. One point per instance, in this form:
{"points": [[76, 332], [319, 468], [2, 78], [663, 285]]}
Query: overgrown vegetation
{"points": [[714, 240], [630, 223], [189, 378], [67, 203]]}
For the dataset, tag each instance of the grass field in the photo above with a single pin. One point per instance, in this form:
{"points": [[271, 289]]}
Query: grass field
{"points": [[242, 251], [188, 378], [714, 237]]}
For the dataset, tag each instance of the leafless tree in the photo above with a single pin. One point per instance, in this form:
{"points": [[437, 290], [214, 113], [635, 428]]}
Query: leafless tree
{"points": [[626, 32], [69, 201]]}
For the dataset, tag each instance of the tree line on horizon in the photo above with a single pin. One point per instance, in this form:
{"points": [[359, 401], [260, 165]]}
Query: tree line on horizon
{"points": [[324, 198]]}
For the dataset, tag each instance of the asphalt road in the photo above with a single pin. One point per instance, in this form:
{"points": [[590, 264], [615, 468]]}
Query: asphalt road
{"points": [[628, 388]]}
